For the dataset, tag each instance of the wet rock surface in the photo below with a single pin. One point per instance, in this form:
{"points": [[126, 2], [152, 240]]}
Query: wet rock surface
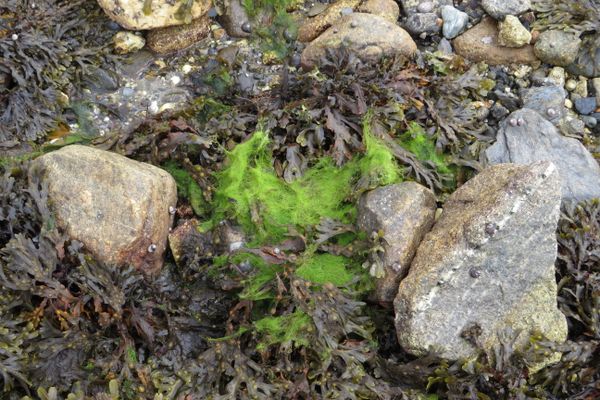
{"points": [[480, 43], [501, 8], [313, 27], [387, 9], [174, 38], [132, 15], [557, 47], [402, 214], [587, 62], [487, 264], [369, 36], [526, 137], [117, 207], [423, 6], [419, 23], [548, 101]]}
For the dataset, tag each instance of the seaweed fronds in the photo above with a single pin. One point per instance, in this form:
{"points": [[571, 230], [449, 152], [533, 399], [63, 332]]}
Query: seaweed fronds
{"points": [[46, 47], [577, 16]]}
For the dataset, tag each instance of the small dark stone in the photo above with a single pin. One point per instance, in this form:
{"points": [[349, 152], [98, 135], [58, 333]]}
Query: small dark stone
{"points": [[474, 272], [491, 228], [499, 111], [346, 11], [590, 121], [212, 12], [113, 26], [246, 27], [585, 105], [296, 59]]}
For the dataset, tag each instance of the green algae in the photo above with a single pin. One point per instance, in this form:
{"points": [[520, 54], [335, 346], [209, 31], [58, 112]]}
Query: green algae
{"points": [[250, 191], [187, 187], [326, 268], [286, 329], [422, 146]]}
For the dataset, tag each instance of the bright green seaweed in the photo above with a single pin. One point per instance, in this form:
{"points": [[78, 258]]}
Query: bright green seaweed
{"points": [[266, 206]]}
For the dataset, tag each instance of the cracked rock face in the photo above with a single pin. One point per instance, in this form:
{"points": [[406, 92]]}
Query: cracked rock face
{"points": [[130, 13], [117, 207], [487, 265], [403, 213], [525, 136]]}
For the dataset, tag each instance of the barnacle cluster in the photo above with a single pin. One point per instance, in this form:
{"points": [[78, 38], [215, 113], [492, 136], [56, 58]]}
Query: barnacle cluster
{"points": [[47, 46]]}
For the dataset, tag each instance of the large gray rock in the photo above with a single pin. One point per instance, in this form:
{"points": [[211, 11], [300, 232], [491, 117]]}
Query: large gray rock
{"points": [[369, 37], [117, 207], [487, 265], [403, 214], [130, 14], [557, 47], [501, 8], [525, 137], [587, 62], [549, 101]]}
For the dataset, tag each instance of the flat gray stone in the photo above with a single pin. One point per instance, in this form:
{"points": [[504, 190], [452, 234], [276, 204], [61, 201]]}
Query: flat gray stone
{"points": [[549, 101], [403, 214], [501, 8], [422, 23], [557, 47], [117, 207], [536, 139], [487, 265]]}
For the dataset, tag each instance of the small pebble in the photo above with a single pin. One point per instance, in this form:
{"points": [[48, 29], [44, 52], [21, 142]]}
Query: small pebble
{"points": [[152, 248], [212, 12], [474, 273], [346, 11], [14, 36], [585, 105], [127, 92], [568, 103], [425, 7], [246, 27], [175, 80], [589, 121], [153, 107], [571, 85], [186, 69], [557, 76]]}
